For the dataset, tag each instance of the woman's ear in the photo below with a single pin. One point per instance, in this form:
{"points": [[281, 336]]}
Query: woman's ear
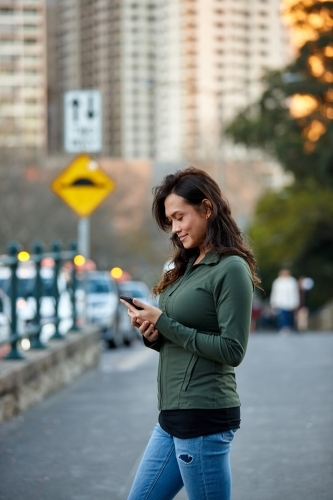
{"points": [[207, 206]]}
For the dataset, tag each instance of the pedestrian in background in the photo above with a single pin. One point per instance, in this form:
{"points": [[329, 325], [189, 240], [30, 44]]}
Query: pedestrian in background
{"points": [[302, 314], [201, 332], [285, 298]]}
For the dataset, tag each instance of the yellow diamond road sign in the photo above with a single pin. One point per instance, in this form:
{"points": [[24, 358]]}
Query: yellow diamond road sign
{"points": [[83, 185]]}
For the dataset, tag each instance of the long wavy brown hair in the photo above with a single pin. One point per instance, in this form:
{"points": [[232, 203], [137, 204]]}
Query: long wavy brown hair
{"points": [[223, 234]]}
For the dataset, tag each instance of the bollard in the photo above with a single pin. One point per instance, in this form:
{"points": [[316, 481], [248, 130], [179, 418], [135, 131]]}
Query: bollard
{"points": [[73, 247], [56, 249], [36, 343], [14, 353]]}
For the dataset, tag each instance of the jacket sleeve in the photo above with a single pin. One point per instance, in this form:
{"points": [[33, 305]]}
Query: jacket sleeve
{"points": [[233, 298], [156, 345]]}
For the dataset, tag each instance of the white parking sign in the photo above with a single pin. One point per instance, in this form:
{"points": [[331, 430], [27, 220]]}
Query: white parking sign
{"points": [[82, 121]]}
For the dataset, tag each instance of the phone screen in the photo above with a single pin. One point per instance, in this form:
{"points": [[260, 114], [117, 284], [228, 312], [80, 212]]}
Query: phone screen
{"points": [[130, 301]]}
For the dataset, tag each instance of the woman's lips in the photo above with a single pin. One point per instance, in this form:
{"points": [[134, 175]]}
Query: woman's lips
{"points": [[182, 238]]}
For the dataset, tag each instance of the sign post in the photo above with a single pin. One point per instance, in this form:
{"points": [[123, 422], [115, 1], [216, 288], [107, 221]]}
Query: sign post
{"points": [[83, 186], [83, 237]]}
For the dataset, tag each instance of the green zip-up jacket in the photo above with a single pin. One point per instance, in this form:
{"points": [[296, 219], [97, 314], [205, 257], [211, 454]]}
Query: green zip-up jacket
{"points": [[204, 330]]}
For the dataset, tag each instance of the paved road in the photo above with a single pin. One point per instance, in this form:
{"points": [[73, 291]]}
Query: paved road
{"points": [[84, 443]]}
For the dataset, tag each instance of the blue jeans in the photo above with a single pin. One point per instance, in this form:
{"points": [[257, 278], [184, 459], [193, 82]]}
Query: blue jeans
{"points": [[201, 465], [285, 319]]}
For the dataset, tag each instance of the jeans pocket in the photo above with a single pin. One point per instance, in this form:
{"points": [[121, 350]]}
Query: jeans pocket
{"points": [[224, 437], [228, 436]]}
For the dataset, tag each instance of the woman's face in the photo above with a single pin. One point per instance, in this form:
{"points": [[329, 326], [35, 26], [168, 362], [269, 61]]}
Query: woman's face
{"points": [[187, 223]]}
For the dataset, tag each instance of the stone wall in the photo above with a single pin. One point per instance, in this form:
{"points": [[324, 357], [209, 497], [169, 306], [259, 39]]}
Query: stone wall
{"points": [[24, 382]]}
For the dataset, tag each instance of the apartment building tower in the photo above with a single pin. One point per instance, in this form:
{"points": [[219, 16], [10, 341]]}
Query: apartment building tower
{"points": [[212, 56], [23, 123], [172, 73], [107, 45]]}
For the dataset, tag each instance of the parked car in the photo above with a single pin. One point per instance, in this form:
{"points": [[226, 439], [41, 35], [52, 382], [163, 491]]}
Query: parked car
{"points": [[138, 290], [101, 298], [4, 316], [26, 302], [134, 289], [169, 264]]}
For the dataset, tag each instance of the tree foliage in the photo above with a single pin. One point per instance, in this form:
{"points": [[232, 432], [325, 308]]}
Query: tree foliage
{"points": [[293, 119], [294, 228], [293, 122]]}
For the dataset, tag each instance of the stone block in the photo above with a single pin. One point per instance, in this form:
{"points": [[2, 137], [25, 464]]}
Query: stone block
{"points": [[25, 382]]}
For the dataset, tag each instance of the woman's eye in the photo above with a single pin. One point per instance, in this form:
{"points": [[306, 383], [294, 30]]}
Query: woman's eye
{"points": [[180, 218]]}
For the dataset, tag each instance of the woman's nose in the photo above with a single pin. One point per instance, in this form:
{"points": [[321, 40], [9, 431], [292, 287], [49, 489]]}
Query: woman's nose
{"points": [[175, 227]]}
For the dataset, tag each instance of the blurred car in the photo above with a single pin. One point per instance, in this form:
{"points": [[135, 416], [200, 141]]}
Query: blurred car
{"points": [[101, 303], [4, 316], [26, 302], [134, 289], [169, 264], [138, 290]]}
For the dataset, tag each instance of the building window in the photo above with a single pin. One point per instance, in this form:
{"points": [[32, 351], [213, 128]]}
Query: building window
{"points": [[7, 12], [30, 12]]}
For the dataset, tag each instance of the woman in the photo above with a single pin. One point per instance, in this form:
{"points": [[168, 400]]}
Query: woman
{"points": [[201, 330]]}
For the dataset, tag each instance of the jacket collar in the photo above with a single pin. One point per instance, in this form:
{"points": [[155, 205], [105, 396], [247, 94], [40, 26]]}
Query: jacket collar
{"points": [[211, 257]]}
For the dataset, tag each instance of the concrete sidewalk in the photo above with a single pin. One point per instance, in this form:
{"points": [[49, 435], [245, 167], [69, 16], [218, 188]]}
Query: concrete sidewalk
{"points": [[85, 442]]}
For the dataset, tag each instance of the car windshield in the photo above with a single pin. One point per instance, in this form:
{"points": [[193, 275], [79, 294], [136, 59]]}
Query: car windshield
{"points": [[47, 284], [25, 286], [98, 285], [4, 284], [134, 290]]}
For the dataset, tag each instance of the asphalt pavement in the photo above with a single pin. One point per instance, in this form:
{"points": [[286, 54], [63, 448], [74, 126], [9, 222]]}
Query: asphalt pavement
{"points": [[85, 442]]}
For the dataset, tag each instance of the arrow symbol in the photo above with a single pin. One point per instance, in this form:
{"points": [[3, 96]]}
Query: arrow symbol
{"points": [[91, 113], [75, 105]]}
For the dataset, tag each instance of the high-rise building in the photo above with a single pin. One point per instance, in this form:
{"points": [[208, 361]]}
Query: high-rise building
{"points": [[107, 45], [172, 72], [22, 75], [86, 54], [211, 55]]}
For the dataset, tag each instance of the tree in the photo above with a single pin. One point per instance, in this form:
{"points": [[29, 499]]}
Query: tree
{"points": [[294, 228], [293, 121]]}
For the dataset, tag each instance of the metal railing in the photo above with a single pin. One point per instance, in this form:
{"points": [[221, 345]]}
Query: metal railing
{"points": [[33, 333]]}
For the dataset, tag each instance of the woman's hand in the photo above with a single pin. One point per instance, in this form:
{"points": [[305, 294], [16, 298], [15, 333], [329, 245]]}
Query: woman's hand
{"points": [[148, 331], [144, 320], [148, 313]]}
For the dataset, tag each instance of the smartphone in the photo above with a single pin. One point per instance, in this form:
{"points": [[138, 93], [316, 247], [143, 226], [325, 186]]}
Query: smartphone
{"points": [[130, 301]]}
